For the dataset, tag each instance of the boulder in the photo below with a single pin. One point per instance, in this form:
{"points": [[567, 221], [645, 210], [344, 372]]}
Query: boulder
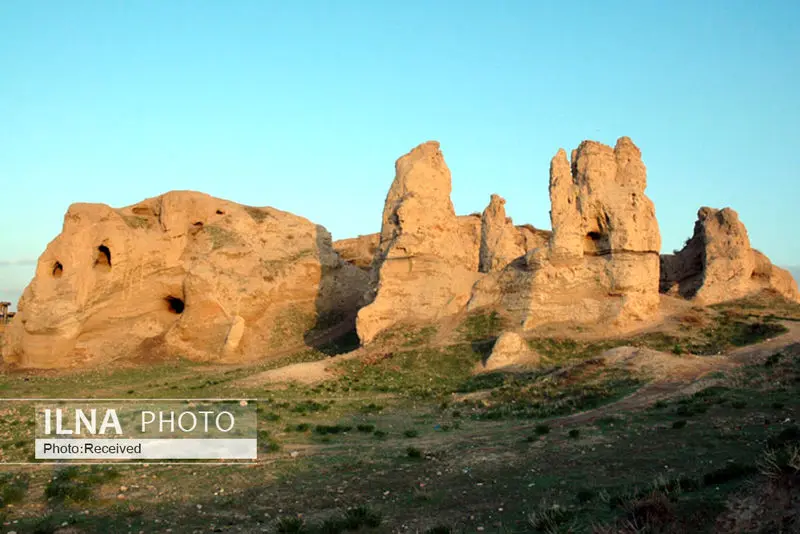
{"points": [[601, 262], [424, 265], [717, 263], [509, 349], [182, 274]]}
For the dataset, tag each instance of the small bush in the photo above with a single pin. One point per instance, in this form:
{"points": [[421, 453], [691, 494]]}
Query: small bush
{"points": [[574, 433], [332, 429], [790, 434], [652, 510], [12, 488], [365, 428], [411, 433], [739, 404], [679, 424], [291, 525], [439, 529], [773, 359], [361, 516], [380, 434], [541, 430], [413, 452], [732, 471]]}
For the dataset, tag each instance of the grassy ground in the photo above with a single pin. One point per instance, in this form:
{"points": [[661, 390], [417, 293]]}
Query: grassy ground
{"points": [[409, 439]]}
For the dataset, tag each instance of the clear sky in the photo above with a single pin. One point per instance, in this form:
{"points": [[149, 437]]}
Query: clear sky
{"points": [[304, 105]]}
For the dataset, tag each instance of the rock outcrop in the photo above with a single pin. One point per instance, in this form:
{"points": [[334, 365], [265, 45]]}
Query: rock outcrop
{"points": [[424, 267], [182, 274], [718, 264], [601, 262], [359, 251], [501, 242], [510, 349]]}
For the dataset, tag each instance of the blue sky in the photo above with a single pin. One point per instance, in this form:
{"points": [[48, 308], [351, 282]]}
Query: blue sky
{"points": [[305, 105]]}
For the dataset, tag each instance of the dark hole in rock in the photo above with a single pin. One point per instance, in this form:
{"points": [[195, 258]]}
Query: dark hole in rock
{"points": [[220, 212], [198, 224], [175, 304], [58, 270], [596, 244], [103, 258]]}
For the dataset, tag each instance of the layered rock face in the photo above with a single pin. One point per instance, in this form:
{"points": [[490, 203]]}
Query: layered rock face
{"points": [[601, 262], [183, 274], [718, 264], [424, 266]]}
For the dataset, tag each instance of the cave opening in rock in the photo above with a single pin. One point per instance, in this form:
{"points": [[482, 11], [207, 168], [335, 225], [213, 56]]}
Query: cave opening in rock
{"points": [[595, 244], [174, 304], [103, 258], [58, 269]]}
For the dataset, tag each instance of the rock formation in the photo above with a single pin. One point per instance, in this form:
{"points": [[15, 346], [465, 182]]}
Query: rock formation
{"points": [[501, 242], [423, 265], [359, 251], [510, 349], [718, 264], [181, 274], [601, 262]]}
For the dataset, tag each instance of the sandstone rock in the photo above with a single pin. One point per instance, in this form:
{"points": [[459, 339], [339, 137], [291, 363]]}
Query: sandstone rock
{"points": [[718, 264], [501, 242], [469, 228], [510, 349], [183, 274], [358, 251], [424, 264], [602, 260]]}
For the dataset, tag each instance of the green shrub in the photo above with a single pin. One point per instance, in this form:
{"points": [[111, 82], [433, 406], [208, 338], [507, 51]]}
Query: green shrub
{"points": [[574, 433], [365, 428], [413, 452], [542, 429], [291, 525], [679, 424], [411, 433]]}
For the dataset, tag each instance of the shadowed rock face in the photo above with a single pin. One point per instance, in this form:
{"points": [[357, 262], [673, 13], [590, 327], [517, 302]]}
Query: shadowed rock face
{"points": [[602, 260], [183, 274], [718, 264]]}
